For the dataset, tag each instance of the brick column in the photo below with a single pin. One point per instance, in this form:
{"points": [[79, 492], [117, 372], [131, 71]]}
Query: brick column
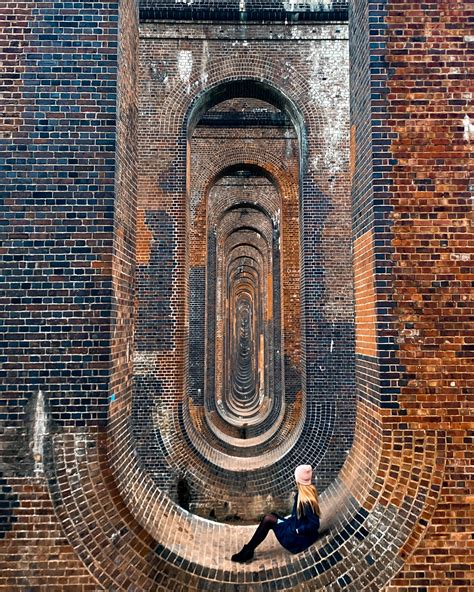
{"points": [[411, 146]]}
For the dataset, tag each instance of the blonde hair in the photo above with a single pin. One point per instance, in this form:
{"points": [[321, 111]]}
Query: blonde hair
{"points": [[307, 494]]}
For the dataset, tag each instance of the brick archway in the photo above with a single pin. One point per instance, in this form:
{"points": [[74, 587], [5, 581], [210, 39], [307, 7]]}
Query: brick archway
{"points": [[356, 513], [377, 508]]}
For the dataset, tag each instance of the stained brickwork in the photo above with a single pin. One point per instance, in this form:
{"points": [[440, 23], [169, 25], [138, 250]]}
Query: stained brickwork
{"points": [[99, 437], [60, 180], [248, 10], [196, 89], [423, 185], [63, 182], [366, 343]]}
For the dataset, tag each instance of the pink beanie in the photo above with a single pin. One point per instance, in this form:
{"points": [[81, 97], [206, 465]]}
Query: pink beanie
{"points": [[303, 474]]}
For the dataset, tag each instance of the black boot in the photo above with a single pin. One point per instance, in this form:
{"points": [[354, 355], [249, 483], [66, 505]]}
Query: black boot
{"points": [[245, 554]]}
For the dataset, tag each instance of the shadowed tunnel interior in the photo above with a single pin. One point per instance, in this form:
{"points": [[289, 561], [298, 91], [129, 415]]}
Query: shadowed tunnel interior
{"points": [[239, 213], [246, 376]]}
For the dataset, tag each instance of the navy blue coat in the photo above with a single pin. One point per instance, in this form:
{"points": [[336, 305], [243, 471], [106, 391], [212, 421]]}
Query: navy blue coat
{"points": [[307, 525]]}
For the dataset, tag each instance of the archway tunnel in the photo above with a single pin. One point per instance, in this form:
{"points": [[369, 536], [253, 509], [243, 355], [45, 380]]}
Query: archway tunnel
{"points": [[250, 285]]}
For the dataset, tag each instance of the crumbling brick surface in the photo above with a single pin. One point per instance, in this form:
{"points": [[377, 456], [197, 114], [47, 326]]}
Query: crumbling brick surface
{"points": [[245, 10]]}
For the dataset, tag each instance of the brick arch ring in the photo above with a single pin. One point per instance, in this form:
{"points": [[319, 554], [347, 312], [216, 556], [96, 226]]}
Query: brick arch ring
{"points": [[129, 533], [377, 512], [298, 444], [321, 429], [285, 181], [288, 448]]}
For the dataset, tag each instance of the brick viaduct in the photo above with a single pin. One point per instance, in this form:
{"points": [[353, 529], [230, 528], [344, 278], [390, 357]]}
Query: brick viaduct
{"points": [[235, 238]]}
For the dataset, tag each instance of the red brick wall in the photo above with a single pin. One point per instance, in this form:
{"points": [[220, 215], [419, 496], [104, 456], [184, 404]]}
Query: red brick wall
{"points": [[431, 54], [35, 554], [364, 264], [419, 211]]}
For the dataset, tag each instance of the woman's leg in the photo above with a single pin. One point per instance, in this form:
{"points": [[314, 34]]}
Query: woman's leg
{"points": [[267, 523]]}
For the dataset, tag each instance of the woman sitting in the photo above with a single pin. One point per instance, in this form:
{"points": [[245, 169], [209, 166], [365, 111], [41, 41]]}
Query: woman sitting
{"points": [[296, 532]]}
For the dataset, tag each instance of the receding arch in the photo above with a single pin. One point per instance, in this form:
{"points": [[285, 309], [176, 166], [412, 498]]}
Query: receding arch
{"points": [[247, 87], [373, 531], [253, 164], [319, 416]]}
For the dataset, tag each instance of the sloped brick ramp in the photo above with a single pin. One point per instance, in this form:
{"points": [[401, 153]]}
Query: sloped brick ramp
{"points": [[172, 550]]}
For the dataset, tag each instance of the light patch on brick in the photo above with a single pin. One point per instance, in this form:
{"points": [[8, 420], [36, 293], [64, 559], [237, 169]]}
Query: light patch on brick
{"points": [[468, 128], [312, 4], [330, 60], [364, 289], [204, 60], [269, 297], [39, 432], [185, 67], [353, 152], [144, 237]]}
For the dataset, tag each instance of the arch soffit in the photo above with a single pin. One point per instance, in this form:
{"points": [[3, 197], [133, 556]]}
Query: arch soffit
{"points": [[260, 222], [282, 177], [240, 205], [247, 232]]}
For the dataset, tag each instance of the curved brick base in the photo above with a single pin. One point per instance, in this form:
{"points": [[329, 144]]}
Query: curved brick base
{"points": [[363, 548]]}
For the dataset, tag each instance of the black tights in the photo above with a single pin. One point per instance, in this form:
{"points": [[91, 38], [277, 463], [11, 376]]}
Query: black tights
{"points": [[267, 524]]}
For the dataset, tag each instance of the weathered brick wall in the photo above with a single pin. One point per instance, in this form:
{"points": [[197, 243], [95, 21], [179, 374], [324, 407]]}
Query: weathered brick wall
{"points": [[67, 169], [59, 174], [412, 187], [420, 75], [250, 10]]}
